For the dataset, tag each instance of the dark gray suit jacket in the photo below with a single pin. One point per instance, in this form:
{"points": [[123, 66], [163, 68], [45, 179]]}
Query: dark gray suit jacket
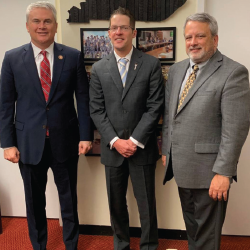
{"points": [[132, 111], [206, 136]]}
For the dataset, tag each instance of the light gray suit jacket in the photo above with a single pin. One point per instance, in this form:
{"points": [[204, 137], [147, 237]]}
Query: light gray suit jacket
{"points": [[132, 111], [206, 135]]}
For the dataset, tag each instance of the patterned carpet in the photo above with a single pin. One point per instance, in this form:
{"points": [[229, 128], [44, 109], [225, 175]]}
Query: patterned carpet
{"points": [[15, 237]]}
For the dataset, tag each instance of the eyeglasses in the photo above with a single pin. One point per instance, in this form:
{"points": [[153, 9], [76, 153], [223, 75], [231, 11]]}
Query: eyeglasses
{"points": [[123, 28]]}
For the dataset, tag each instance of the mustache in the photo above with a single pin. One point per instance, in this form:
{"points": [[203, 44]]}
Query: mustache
{"points": [[194, 47]]}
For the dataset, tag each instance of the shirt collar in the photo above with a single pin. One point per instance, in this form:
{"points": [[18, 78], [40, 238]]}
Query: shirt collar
{"points": [[128, 56], [37, 50], [200, 65]]}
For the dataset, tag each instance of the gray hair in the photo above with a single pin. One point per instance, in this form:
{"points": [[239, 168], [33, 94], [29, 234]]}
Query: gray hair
{"points": [[40, 4], [204, 18]]}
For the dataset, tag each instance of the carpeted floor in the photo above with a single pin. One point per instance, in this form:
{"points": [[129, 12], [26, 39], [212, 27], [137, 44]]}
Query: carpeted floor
{"points": [[15, 237]]}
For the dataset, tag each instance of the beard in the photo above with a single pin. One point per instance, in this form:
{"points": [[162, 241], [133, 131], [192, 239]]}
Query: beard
{"points": [[200, 56]]}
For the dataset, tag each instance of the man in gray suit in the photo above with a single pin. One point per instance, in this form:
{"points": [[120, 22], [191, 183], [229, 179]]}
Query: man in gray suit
{"points": [[206, 123], [126, 96]]}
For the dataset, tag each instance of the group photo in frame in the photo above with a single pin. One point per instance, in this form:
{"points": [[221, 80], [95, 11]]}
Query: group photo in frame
{"points": [[95, 43], [157, 42]]}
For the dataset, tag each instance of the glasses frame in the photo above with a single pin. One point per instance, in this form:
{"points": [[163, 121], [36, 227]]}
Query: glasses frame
{"points": [[120, 28]]}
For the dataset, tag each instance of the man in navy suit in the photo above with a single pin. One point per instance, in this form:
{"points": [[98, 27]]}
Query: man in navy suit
{"points": [[39, 127]]}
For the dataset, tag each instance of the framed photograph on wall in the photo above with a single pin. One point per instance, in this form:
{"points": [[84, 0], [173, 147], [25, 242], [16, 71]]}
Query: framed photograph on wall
{"points": [[157, 42], [96, 146], [88, 68], [95, 44], [165, 68]]}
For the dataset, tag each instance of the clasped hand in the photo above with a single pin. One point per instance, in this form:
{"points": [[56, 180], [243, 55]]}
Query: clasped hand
{"points": [[125, 147]]}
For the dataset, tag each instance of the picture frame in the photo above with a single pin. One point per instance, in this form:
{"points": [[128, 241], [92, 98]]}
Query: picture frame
{"points": [[95, 43], [164, 68], [96, 146], [158, 42], [88, 68]]}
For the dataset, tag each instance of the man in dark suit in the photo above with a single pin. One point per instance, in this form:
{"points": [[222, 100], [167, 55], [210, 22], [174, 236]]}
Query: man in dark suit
{"points": [[38, 122], [126, 96], [206, 122]]}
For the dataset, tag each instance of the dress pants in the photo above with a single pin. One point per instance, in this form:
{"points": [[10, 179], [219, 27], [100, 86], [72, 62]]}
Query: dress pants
{"points": [[143, 182], [35, 180], [203, 217]]}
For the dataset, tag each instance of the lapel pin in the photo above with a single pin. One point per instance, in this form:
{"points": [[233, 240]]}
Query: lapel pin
{"points": [[60, 57], [135, 66]]}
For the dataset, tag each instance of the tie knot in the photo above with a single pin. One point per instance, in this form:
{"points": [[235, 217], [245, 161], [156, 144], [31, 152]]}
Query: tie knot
{"points": [[123, 61], [196, 67], [43, 52]]}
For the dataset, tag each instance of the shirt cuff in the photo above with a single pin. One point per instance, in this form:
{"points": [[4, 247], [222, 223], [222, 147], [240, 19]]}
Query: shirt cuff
{"points": [[113, 141], [9, 147], [136, 142]]}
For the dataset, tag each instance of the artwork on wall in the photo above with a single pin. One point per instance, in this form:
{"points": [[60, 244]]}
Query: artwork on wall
{"points": [[165, 68], [88, 68], [96, 146], [157, 42], [95, 44], [142, 10]]}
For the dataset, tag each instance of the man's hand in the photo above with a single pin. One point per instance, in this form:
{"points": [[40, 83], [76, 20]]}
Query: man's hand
{"points": [[84, 147], [125, 147], [164, 158], [219, 187], [12, 154]]}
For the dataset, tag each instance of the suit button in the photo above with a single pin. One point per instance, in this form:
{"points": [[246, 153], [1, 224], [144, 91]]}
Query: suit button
{"points": [[125, 111], [47, 108], [44, 126]]}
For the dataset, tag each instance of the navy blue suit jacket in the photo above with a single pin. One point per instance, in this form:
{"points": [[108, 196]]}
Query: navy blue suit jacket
{"points": [[24, 113]]}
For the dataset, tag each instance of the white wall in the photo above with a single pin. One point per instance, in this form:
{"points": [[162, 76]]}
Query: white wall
{"points": [[234, 41], [13, 34]]}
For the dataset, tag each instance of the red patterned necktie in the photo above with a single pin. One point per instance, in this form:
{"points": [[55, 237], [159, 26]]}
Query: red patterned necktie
{"points": [[45, 75]]}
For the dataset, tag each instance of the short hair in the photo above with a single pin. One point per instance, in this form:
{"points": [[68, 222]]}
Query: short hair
{"points": [[204, 18], [125, 12], [40, 4]]}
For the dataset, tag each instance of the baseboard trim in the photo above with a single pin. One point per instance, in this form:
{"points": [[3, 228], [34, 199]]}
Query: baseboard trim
{"points": [[134, 232]]}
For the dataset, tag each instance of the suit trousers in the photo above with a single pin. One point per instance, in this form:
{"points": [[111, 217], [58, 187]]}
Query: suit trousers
{"points": [[35, 180], [203, 217], [143, 182]]}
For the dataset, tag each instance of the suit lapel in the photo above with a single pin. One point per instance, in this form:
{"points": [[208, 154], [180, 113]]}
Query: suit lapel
{"points": [[134, 66], [213, 64], [59, 59], [30, 65], [114, 72], [178, 79]]}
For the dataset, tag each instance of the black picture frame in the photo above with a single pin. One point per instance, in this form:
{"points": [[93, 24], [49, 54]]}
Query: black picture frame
{"points": [[95, 43], [158, 42], [96, 146]]}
